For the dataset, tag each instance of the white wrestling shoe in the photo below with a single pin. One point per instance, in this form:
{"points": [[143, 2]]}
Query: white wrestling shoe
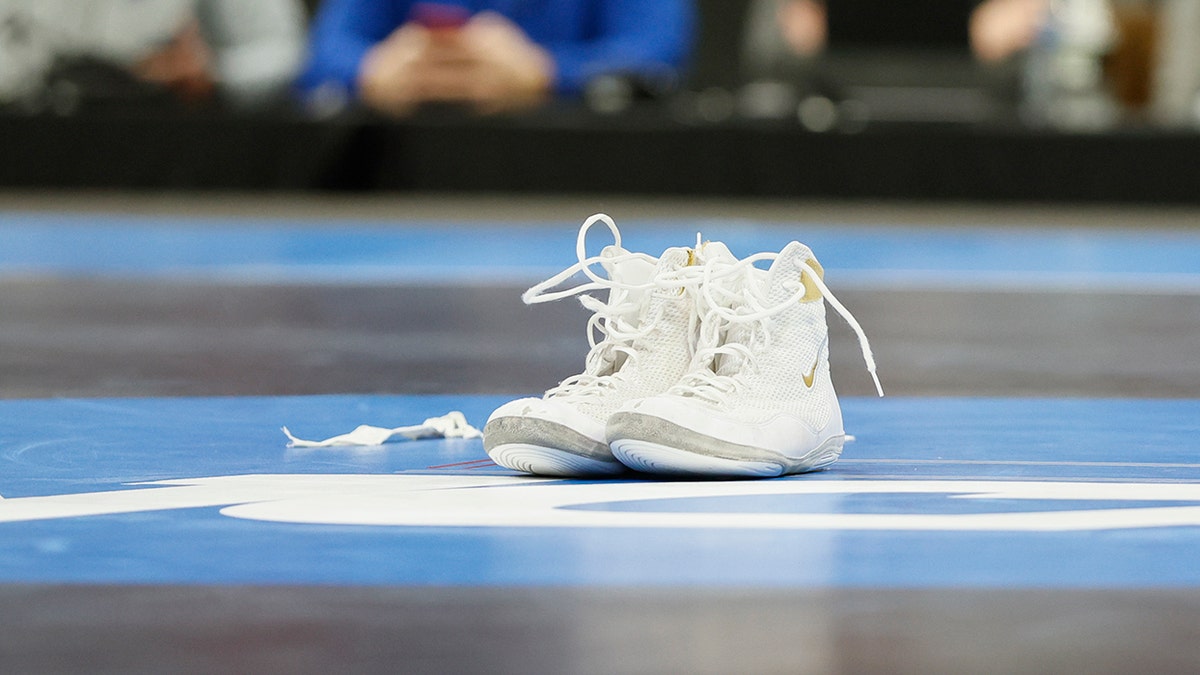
{"points": [[647, 334], [758, 400]]}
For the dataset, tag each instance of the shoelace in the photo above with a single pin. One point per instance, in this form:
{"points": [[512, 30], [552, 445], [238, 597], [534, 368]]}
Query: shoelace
{"points": [[541, 292], [610, 332], [709, 384]]}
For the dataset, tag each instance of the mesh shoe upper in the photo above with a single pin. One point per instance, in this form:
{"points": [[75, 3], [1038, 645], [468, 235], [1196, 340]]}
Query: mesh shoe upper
{"points": [[777, 362], [758, 390], [642, 354]]}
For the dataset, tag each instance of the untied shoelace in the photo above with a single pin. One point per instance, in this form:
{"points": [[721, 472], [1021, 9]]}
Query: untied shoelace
{"points": [[759, 312]]}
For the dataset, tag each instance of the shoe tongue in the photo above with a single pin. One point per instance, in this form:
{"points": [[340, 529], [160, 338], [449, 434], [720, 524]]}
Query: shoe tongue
{"points": [[674, 258], [715, 251], [628, 270]]}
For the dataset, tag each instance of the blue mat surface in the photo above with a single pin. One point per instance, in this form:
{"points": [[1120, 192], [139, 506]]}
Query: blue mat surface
{"points": [[342, 252], [933, 493]]}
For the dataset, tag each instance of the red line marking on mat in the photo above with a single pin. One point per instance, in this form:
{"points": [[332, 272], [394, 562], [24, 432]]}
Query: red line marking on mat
{"points": [[478, 464]]}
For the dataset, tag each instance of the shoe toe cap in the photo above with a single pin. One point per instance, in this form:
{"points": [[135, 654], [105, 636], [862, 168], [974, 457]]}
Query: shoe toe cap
{"points": [[519, 408], [538, 411]]}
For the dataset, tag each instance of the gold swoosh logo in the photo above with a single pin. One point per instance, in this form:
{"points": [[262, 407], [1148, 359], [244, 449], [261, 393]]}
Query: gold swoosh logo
{"points": [[812, 374]]}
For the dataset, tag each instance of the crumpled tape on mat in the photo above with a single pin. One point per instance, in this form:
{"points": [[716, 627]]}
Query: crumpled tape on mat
{"points": [[451, 425]]}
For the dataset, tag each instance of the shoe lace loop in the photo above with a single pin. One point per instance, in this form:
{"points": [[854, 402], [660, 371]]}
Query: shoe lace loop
{"points": [[541, 292]]}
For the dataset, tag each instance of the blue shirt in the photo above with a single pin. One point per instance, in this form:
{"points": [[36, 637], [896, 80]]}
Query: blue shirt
{"points": [[585, 37]]}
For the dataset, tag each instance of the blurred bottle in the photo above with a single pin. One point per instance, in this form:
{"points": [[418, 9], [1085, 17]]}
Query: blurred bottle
{"points": [[1064, 86], [1176, 91]]}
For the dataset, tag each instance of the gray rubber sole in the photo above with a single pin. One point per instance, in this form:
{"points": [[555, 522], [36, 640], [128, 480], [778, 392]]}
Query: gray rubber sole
{"points": [[546, 448], [652, 445]]}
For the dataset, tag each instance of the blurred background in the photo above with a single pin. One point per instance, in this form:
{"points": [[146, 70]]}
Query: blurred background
{"points": [[993, 100]]}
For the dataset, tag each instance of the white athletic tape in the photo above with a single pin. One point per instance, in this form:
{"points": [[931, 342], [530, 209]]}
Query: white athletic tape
{"points": [[451, 425]]}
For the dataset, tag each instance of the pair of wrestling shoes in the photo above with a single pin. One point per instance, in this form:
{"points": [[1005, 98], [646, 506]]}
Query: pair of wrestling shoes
{"points": [[700, 365]]}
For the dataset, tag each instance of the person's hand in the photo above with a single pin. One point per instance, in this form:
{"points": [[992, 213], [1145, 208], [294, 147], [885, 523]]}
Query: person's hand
{"points": [[804, 25], [489, 64], [391, 76], [508, 70], [183, 65], [1000, 28]]}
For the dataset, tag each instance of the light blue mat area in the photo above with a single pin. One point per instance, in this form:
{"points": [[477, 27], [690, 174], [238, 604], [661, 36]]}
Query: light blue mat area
{"points": [[933, 493], [337, 251]]}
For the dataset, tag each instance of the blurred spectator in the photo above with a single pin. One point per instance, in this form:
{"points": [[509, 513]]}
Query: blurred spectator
{"points": [[492, 55], [789, 29], [1001, 28], [1070, 64], [781, 34], [246, 51], [842, 63]]}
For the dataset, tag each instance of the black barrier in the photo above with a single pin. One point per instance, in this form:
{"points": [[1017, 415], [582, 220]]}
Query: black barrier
{"points": [[575, 151]]}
